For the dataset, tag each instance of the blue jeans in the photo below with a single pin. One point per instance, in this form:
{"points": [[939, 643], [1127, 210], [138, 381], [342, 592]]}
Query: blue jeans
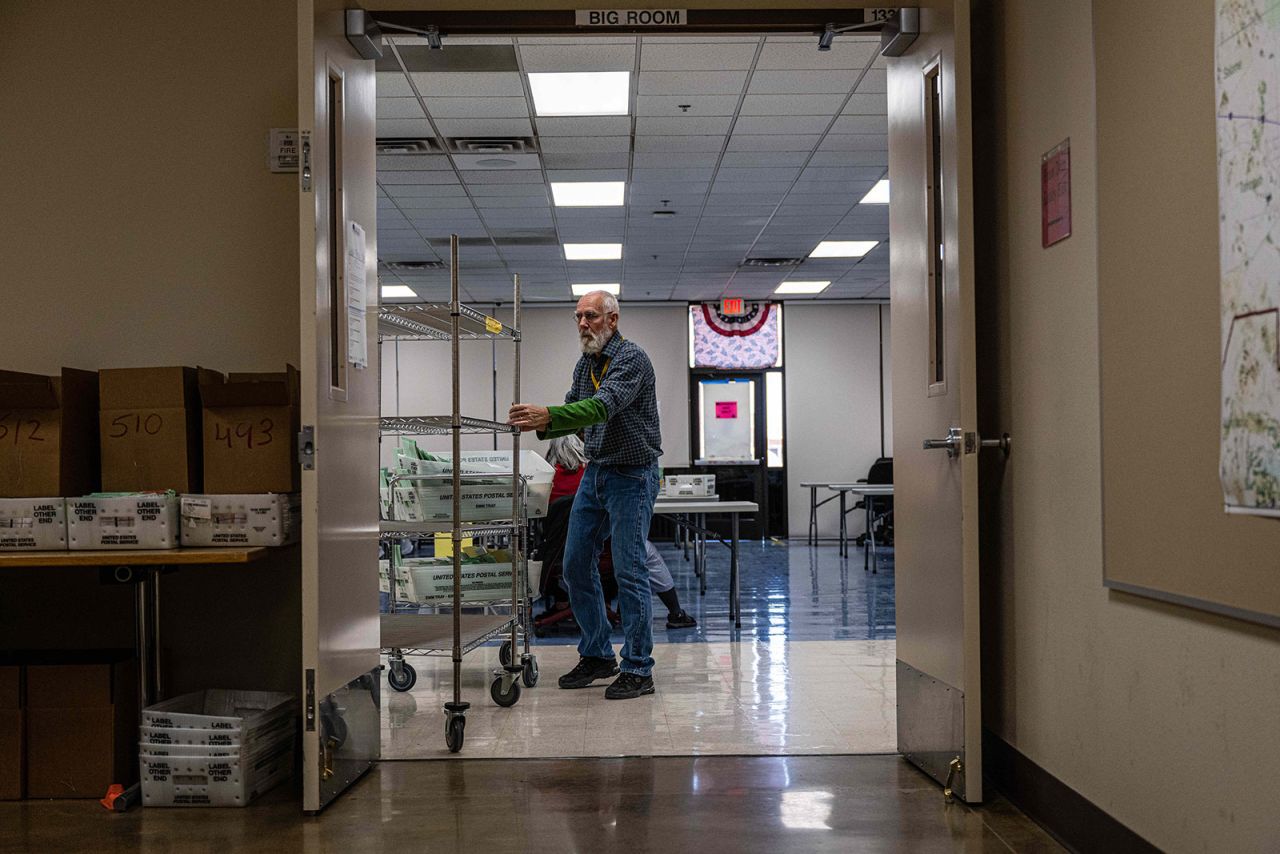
{"points": [[617, 502]]}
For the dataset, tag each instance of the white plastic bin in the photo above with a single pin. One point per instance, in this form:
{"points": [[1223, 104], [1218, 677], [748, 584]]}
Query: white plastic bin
{"points": [[216, 780], [252, 712]]}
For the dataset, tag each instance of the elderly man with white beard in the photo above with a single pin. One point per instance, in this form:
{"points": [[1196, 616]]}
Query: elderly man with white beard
{"points": [[613, 401]]}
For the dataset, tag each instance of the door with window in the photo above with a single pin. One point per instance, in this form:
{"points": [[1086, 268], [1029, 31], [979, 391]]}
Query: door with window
{"points": [[934, 401], [340, 680]]}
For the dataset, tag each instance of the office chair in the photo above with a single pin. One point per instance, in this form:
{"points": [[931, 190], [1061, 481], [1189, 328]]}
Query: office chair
{"points": [[881, 472]]}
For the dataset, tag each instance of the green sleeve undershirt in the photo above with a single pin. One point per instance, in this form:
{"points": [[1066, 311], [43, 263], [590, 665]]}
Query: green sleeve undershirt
{"points": [[572, 417]]}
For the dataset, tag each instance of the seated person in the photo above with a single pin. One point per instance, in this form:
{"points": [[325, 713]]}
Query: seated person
{"points": [[569, 458]]}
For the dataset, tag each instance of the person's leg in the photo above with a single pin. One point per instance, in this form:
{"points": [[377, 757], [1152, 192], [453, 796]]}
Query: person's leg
{"points": [[664, 587], [587, 530], [628, 494]]}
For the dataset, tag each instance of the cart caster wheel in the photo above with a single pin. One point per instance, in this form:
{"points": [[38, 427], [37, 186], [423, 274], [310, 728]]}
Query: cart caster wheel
{"points": [[408, 677], [539, 632], [530, 674], [509, 696], [504, 653], [453, 731]]}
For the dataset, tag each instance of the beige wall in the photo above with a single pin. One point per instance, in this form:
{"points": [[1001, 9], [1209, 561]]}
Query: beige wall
{"points": [[1166, 718], [140, 224], [833, 405]]}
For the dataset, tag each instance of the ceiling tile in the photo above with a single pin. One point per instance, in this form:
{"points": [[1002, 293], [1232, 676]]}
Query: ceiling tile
{"points": [[574, 145], [584, 126], [478, 108], [399, 108], [597, 160], [476, 84], [861, 124], [480, 128], [682, 126], [577, 57], [412, 128], [393, 84], [687, 159], [690, 83], [867, 105], [856, 142], [706, 56], [763, 158], [801, 82], [698, 105], [874, 81], [388, 177], [781, 124], [847, 52], [792, 105], [650, 144], [406, 162], [773, 142]]}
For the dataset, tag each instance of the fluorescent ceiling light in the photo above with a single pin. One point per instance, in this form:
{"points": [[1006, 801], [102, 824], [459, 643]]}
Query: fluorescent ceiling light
{"points": [[588, 194], [843, 248], [801, 287], [592, 251], [583, 290], [581, 93], [397, 292], [877, 195]]}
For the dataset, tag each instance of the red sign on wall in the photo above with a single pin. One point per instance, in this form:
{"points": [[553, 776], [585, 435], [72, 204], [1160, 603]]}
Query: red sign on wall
{"points": [[732, 306], [726, 409], [1055, 194]]}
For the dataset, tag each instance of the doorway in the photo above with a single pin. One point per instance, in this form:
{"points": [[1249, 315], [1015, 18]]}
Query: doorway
{"points": [[770, 153]]}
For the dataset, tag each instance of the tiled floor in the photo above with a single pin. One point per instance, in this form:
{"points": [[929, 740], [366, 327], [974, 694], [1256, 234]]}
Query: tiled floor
{"points": [[794, 680], [710, 804]]}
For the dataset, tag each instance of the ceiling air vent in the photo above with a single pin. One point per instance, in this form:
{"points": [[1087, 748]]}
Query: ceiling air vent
{"points": [[493, 145], [771, 262], [407, 266], [408, 145]]}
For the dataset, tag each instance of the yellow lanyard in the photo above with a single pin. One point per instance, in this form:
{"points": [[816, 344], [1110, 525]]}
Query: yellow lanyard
{"points": [[605, 369]]}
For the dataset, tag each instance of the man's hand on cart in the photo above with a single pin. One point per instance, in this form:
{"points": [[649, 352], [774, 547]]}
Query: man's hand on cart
{"points": [[528, 416]]}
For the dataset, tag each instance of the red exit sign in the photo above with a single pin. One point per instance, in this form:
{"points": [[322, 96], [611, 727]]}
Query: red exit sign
{"points": [[732, 306]]}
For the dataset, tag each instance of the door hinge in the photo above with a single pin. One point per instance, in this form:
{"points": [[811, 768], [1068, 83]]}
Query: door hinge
{"points": [[307, 447], [310, 711], [305, 171]]}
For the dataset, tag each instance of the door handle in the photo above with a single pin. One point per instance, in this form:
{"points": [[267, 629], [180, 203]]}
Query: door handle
{"points": [[951, 444]]}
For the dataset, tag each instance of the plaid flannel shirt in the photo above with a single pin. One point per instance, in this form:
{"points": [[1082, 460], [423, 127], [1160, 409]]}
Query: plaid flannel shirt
{"points": [[631, 435]]}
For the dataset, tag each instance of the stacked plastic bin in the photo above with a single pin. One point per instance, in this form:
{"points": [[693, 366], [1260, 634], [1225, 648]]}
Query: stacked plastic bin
{"points": [[216, 748]]}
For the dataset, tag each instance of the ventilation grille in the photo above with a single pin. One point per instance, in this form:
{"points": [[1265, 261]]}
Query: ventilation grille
{"points": [[408, 145], [493, 145], [407, 266], [771, 262]]}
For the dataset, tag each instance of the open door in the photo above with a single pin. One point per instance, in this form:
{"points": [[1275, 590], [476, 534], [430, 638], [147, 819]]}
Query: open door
{"points": [[935, 400], [339, 445]]}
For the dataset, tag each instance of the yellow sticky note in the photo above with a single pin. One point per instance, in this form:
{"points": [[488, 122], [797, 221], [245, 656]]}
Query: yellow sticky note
{"points": [[444, 545], [494, 326]]}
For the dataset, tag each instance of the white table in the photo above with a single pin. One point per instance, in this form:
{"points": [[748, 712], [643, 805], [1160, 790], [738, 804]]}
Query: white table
{"points": [[692, 515], [869, 492], [813, 486]]}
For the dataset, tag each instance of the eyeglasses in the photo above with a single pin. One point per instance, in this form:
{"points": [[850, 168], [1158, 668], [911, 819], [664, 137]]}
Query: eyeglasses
{"points": [[590, 316]]}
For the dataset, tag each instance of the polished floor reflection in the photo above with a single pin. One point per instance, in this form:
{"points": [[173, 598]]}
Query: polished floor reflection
{"points": [[811, 671], [777, 697], [710, 805]]}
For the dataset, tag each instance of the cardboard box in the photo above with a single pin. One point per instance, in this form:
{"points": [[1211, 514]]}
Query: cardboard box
{"points": [[48, 434], [241, 520], [81, 727], [150, 428], [33, 524], [251, 433], [13, 755], [147, 521]]}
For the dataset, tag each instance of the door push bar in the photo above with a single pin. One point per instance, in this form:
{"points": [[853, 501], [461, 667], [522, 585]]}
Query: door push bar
{"points": [[957, 439]]}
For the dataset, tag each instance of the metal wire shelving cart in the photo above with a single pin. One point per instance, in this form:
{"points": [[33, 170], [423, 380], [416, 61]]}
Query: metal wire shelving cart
{"points": [[455, 634]]}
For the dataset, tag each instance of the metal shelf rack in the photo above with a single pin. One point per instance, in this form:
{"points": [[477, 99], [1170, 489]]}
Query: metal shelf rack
{"points": [[456, 634]]}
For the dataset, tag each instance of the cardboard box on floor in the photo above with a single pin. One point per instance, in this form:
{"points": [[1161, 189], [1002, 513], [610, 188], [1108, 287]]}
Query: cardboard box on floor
{"points": [[48, 434], [82, 728], [12, 742], [251, 433], [150, 428]]}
